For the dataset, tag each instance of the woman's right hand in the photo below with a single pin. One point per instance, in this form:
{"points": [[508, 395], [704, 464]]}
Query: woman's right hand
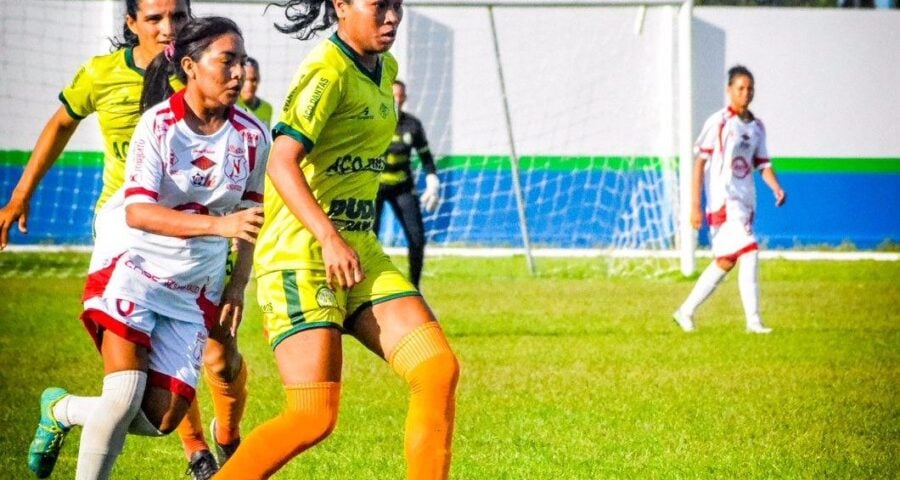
{"points": [[243, 224], [696, 218], [342, 265]]}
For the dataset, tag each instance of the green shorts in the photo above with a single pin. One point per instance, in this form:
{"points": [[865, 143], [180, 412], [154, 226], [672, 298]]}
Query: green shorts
{"points": [[297, 300]]}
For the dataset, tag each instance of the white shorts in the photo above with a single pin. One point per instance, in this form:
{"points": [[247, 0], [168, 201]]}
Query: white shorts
{"points": [[732, 239], [175, 347]]}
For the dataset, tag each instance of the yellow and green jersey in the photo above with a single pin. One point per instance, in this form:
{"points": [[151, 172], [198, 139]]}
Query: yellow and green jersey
{"points": [[262, 110], [344, 116], [111, 86]]}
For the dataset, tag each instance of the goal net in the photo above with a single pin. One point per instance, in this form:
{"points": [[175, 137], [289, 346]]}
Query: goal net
{"points": [[555, 125]]}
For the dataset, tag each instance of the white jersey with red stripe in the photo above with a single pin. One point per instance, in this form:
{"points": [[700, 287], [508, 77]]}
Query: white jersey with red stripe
{"points": [[172, 166], [732, 148]]}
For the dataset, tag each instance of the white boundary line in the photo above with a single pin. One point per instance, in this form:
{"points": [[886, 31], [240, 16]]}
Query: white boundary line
{"points": [[801, 255]]}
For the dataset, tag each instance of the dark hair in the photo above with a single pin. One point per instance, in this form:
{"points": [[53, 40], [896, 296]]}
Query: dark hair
{"points": [[401, 83], [252, 62], [191, 41], [737, 71], [303, 17], [129, 39]]}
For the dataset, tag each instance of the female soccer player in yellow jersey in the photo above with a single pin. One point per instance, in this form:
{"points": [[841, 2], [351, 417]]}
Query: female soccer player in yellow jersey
{"points": [[320, 270], [111, 85]]}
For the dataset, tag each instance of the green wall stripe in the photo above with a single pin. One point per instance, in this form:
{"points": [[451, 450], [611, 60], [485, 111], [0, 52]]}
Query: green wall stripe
{"points": [[560, 163], [67, 159]]}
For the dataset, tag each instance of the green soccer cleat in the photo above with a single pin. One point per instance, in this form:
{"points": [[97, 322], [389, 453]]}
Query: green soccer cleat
{"points": [[49, 436]]}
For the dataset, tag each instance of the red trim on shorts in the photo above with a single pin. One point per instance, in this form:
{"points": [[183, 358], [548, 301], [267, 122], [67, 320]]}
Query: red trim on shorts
{"points": [[141, 191], [734, 256], [760, 161], [172, 384], [714, 219], [97, 281], [209, 309], [96, 321]]}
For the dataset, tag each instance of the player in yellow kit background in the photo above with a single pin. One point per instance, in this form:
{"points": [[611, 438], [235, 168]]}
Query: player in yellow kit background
{"points": [[320, 269]]}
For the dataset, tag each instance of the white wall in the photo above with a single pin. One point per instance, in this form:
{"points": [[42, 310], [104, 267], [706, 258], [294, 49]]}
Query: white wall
{"points": [[580, 81]]}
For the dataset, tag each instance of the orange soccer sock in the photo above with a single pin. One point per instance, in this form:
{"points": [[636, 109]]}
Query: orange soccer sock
{"points": [[229, 399], [424, 359], [309, 417], [191, 430]]}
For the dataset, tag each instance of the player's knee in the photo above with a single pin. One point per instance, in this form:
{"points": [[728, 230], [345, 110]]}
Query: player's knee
{"points": [[438, 374], [313, 425], [222, 363], [725, 263]]}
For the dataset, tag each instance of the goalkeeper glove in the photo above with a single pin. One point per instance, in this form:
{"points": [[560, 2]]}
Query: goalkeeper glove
{"points": [[432, 195]]}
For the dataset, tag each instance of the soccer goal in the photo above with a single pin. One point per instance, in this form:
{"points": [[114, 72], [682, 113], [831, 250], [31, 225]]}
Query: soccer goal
{"points": [[557, 125]]}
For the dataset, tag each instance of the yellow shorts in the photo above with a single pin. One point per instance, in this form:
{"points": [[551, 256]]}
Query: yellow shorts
{"points": [[297, 300]]}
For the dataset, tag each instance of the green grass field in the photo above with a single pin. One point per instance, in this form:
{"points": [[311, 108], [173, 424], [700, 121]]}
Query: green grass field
{"points": [[566, 375]]}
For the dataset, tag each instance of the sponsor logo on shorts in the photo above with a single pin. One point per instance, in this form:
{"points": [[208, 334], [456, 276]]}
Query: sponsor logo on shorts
{"points": [[325, 297], [267, 308]]}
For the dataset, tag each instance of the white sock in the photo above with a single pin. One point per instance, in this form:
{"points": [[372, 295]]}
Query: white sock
{"points": [[104, 431], [706, 285], [748, 283], [72, 410]]}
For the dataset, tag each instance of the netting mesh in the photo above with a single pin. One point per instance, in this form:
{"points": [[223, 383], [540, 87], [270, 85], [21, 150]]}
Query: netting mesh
{"points": [[589, 93]]}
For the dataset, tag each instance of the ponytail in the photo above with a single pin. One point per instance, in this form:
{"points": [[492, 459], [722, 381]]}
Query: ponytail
{"points": [[156, 79], [306, 18]]}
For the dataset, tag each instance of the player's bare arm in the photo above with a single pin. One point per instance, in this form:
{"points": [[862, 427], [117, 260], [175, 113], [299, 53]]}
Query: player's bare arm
{"points": [[161, 220], [49, 146], [771, 180], [697, 194], [232, 305], [342, 265]]}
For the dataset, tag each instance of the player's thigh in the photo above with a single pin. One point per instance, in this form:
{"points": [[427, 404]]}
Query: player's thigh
{"points": [[382, 326], [385, 306], [310, 356], [174, 370], [303, 320]]}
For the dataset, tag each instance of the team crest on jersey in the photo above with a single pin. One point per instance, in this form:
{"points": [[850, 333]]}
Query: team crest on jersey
{"points": [[325, 297], [739, 167], [236, 169]]}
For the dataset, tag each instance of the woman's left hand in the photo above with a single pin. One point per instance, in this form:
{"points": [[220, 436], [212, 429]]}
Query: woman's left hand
{"points": [[231, 310]]}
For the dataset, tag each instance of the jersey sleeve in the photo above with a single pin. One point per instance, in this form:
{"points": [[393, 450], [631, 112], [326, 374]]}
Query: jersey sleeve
{"points": [[78, 96], [420, 143], [253, 193], [144, 166], [309, 105], [761, 157], [706, 142]]}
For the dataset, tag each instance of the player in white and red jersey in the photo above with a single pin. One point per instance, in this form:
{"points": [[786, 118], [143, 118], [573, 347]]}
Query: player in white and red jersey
{"points": [[193, 180], [731, 146]]}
